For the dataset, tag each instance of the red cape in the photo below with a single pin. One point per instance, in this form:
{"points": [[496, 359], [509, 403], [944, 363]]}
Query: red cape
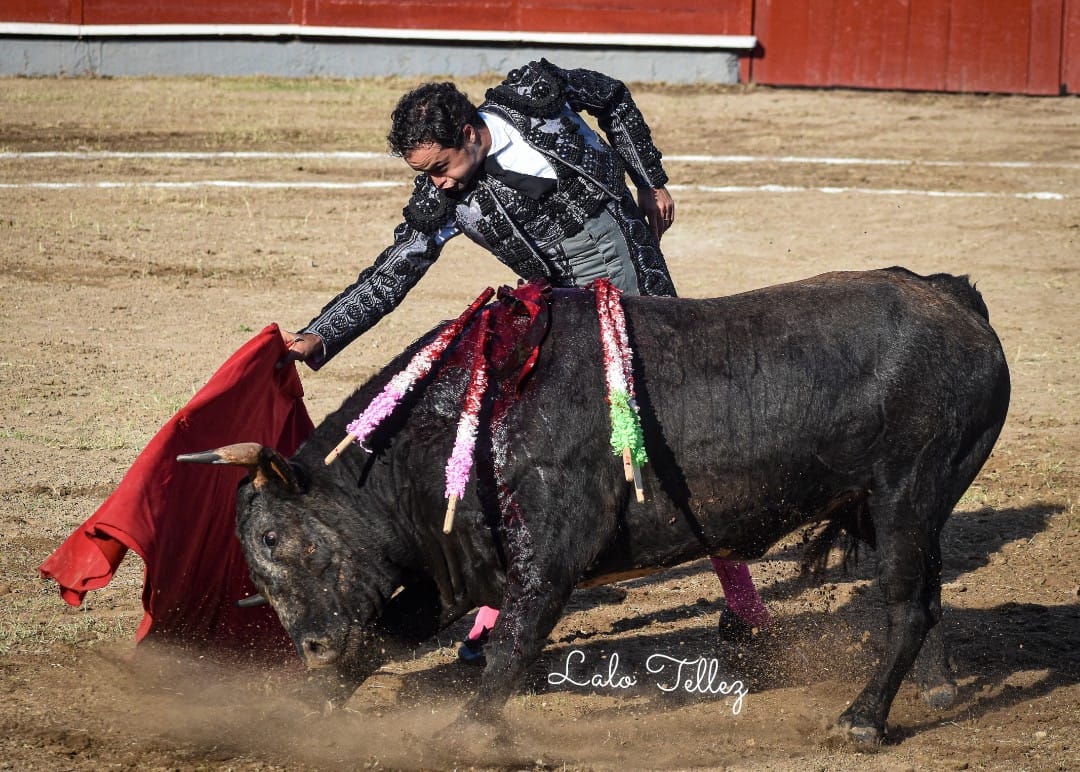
{"points": [[181, 518]]}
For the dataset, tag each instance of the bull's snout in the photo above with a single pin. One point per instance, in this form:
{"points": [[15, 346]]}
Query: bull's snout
{"points": [[317, 651]]}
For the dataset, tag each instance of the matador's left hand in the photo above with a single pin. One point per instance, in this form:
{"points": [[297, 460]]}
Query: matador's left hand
{"points": [[658, 207]]}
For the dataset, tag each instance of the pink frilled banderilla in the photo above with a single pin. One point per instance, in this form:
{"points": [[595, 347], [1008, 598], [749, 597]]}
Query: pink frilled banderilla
{"points": [[506, 336], [394, 391], [461, 459]]}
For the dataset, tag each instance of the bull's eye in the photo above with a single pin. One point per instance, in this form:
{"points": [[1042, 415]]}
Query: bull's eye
{"points": [[270, 539]]}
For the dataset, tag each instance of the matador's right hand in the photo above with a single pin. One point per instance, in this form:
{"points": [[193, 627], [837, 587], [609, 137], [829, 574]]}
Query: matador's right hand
{"points": [[299, 347]]}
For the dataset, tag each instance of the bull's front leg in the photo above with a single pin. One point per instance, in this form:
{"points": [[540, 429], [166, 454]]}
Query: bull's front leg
{"points": [[531, 607]]}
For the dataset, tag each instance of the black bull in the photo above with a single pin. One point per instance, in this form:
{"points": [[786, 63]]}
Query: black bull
{"points": [[870, 400]]}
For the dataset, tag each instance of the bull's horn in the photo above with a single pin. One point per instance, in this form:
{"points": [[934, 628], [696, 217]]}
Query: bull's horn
{"points": [[241, 454], [264, 463], [252, 601]]}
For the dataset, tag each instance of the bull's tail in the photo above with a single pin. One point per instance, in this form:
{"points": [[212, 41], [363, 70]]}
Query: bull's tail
{"points": [[845, 523], [959, 288]]}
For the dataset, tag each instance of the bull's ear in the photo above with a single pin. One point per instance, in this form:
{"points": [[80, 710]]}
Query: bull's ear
{"points": [[273, 468]]}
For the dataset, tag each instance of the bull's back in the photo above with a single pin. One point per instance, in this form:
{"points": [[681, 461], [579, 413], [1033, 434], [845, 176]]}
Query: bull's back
{"points": [[760, 409]]}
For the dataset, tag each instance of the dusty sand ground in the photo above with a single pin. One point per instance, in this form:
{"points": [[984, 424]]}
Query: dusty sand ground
{"points": [[120, 300]]}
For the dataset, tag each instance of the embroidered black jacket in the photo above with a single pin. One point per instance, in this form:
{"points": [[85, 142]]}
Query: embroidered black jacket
{"points": [[521, 232]]}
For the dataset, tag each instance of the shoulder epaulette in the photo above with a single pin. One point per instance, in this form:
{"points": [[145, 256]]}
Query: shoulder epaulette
{"points": [[535, 89]]}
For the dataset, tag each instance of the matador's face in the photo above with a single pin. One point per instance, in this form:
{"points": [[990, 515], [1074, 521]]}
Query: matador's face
{"points": [[450, 168]]}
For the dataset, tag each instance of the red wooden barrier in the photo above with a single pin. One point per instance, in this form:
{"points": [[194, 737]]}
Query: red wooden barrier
{"points": [[42, 11], [718, 17], [189, 12], [1070, 65], [1014, 46], [940, 45]]}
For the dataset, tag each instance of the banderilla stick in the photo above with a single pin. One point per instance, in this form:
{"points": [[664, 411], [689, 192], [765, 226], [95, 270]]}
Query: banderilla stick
{"points": [[633, 474], [333, 454], [451, 507]]}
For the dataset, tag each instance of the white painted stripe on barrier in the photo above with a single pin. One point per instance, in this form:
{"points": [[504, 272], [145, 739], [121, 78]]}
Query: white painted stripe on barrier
{"points": [[812, 160], [590, 39], [257, 185], [1037, 195], [349, 155], [182, 155], [301, 184]]}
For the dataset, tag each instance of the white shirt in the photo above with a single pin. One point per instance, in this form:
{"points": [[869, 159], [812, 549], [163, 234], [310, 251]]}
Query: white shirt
{"points": [[511, 150], [513, 153]]}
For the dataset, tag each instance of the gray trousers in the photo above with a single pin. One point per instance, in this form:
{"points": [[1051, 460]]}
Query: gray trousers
{"points": [[600, 251]]}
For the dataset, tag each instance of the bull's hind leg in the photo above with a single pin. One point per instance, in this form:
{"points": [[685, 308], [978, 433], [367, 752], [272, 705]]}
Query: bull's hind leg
{"points": [[907, 527], [933, 673]]}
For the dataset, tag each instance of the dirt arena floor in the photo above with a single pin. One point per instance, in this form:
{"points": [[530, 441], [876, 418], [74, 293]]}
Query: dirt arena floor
{"points": [[127, 276]]}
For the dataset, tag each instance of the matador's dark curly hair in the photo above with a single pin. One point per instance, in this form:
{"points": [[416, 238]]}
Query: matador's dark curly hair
{"points": [[433, 112]]}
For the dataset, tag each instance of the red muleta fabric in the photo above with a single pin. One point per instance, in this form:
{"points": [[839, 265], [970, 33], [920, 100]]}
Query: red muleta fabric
{"points": [[181, 518]]}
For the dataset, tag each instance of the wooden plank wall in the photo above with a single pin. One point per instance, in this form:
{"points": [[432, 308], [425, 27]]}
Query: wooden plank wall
{"points": [[937, 45], [1011, 46], [702, 17], [1070, 65], [188, 12], [42, 11]]}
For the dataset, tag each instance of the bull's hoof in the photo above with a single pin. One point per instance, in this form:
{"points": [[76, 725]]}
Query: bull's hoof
{"points": [[939, 697], [471, 652], [322, 688], [869, 736], [734, 629], [483, 712], [468, 739], [850, 730]]}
